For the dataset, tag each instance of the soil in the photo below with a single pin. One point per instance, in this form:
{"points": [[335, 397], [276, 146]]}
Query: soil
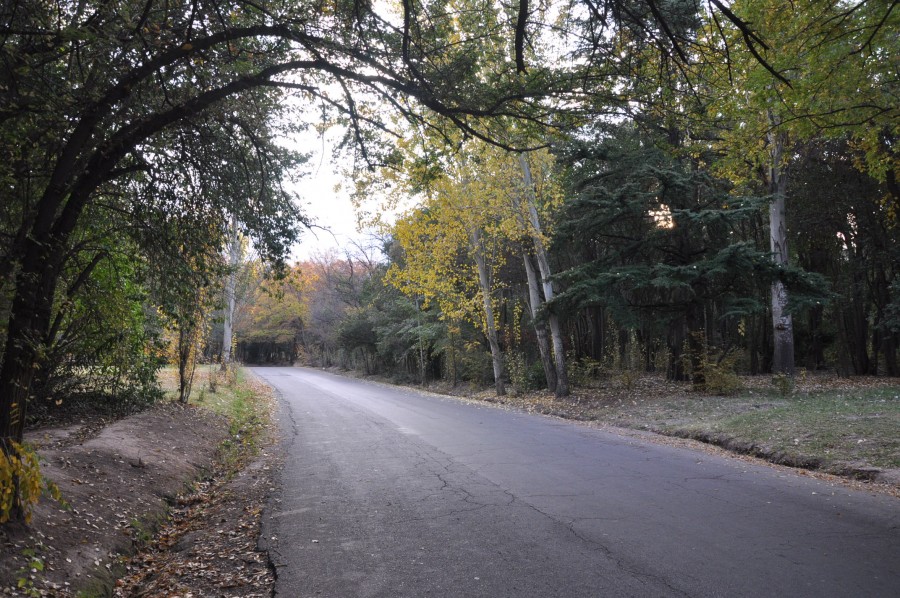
{"points": [[120, 483]]}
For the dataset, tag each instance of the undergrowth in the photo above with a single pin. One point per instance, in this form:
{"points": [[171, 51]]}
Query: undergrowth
{"points": [[236, 397]]}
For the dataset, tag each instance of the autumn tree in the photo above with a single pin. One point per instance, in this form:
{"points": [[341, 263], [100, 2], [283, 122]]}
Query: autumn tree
{"points": [[452, 250]]}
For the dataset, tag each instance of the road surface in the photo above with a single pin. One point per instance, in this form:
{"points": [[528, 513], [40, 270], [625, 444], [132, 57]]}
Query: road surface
{"points": [[389, 492]]}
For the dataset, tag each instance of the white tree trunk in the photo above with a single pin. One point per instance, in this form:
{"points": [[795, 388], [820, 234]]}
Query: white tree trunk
{"points": [[540, 253], [782, 323], [490, 325], [234, 257], [540, 330]]}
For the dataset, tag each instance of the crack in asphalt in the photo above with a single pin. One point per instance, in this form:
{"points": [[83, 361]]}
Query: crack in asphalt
{"points": [[515, 501]]}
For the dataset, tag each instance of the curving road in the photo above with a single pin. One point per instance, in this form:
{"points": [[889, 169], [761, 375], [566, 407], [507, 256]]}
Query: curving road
{"points": [[389, 492]]}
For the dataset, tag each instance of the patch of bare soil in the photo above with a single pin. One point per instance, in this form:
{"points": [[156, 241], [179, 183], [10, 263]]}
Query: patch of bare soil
{"points": [[209, 546], [117, 483]]}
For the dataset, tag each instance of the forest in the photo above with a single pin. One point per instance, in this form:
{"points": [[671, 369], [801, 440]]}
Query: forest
{"points": [[687, 187], [703, 228]]}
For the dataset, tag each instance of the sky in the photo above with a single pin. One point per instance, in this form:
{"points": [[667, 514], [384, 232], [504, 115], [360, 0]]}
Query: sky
{"points": [[324, 197], [325, 200]]}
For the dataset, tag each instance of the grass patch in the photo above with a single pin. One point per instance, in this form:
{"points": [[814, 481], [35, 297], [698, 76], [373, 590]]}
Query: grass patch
{"points": [[244, 401], [836, 426], [833, 427]]}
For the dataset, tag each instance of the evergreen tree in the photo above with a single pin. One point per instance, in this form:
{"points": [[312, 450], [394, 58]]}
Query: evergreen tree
{"points": [[660, 244]]}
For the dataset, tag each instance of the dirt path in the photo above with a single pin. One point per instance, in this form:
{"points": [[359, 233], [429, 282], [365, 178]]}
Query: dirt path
{"points": [[119, 482]]}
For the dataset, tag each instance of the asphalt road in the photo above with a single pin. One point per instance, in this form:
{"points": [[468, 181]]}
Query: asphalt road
{"points": [[389, 492]]}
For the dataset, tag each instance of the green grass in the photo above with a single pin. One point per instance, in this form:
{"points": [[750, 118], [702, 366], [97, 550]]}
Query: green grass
{"points": [[241, 400], [856, 426], [836, 426]]}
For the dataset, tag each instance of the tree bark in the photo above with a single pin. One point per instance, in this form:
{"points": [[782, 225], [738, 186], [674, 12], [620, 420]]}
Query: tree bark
{"points": [[490, 325], [540, 329], [540, 254], [234, 258], [782, 323]]}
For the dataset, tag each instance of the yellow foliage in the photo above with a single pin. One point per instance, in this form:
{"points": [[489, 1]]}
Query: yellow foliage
{"points": [[477, 205], [838, 63], [20, 481]]}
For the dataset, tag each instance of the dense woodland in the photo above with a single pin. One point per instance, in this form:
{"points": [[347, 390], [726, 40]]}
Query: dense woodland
{"points": [[680, 186]]}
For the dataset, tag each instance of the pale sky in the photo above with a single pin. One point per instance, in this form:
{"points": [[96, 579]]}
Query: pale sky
{"points": [[327, 208], [325, 199], [324, 196]]}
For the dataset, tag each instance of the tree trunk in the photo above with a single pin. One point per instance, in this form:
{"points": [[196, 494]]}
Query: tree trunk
{"points": [[421, 345], [696, 342], [453, 365], [29, 323], [234, 258], [540, 329], [598, 335], [490, 326], [187, 360], [540, 254], [675, 338], [887, 342], [815, 353], [782, 323]]}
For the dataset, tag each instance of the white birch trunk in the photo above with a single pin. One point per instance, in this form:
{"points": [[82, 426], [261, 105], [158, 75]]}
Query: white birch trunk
{"points": [[234, 257], [540, 330], [540, 253], [490, 325]]}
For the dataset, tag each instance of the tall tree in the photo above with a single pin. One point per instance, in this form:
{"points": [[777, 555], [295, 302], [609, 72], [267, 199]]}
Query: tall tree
{"points": [[452, 250], [116, 98], [536, 232], [231, 288], [659, 232], [835, 81]]}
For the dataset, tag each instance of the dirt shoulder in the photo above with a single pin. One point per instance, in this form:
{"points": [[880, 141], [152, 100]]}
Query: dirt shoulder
{"points": [[116, 485], [149, 502]]}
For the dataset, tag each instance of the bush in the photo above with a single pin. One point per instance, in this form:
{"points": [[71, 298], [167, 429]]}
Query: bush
{"points": [[21, 483], [584, 371], [784, 384], [720, 377]]}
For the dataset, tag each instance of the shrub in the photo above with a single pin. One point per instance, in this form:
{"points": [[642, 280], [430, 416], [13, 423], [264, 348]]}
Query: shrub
{"points": [[21, 482], [720, 377]]}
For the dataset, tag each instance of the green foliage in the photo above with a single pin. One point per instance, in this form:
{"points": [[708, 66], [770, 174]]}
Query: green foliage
{"points": [[657, 236], [108, 343], [719, 376], [25, 582], [658, 228], [525, 375], [783, 385], [584, 371]]}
